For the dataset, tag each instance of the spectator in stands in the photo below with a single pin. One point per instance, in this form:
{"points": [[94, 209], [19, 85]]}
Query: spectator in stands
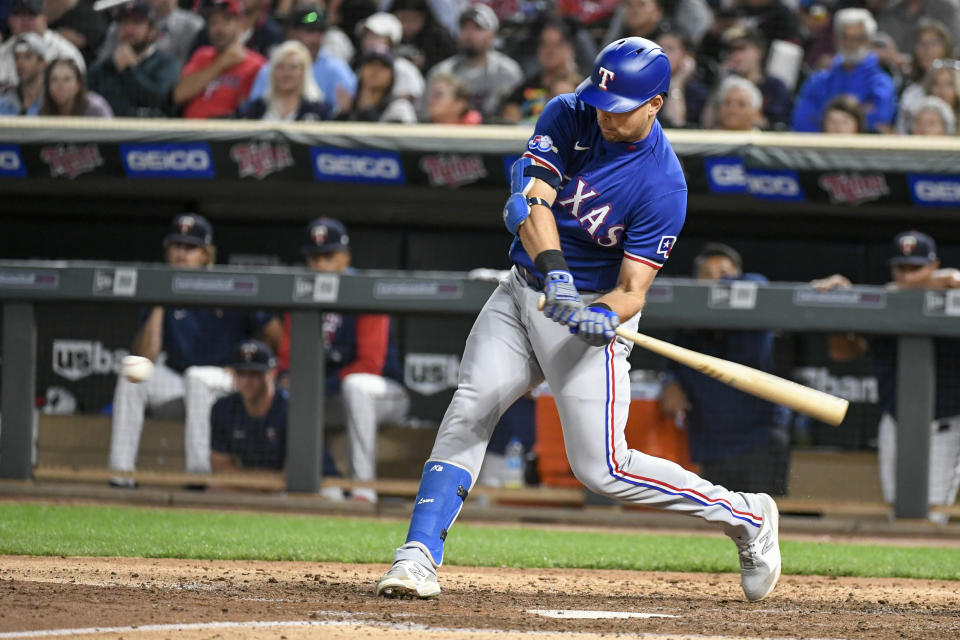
{"points": [[27, 16], [219, 76], [293, 93], [66, 94], [363, 368], [425, 41], [738, 104], [901, 19], [77, 21], [745, 50], [334, 77], [942, 81], [644, 18], [773, 18], [190, 348], [260, 32], [854, 71], [914, 264], [26, 97], [382, 31], [138, 78], [931, 42], [448, 101], [931, 116], [688, 93], [375, 101], [248, 428], [649, 18], [175, 30], [739, 441], [844, 115], [491, 75], [555, 59]]}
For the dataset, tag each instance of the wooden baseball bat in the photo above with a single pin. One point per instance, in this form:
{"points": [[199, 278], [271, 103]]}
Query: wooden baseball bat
{"points": [[816, 404]]}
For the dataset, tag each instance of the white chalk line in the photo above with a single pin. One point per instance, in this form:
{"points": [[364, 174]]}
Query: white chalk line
{"points": [[345, 619], [582, 614]]}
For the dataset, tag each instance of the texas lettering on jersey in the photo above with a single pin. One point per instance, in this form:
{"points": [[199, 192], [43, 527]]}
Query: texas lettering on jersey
{"points": [[592, 219], [615, 201]]}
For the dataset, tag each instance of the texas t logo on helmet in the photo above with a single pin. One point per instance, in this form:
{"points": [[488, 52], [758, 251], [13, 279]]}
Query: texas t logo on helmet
{"points": [[606, 74]]}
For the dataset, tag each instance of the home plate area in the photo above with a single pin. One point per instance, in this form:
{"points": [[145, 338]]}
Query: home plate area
{"points": [[146, 599]]}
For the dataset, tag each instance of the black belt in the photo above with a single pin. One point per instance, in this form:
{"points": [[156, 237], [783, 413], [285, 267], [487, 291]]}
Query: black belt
{"points": [[533, 281]]}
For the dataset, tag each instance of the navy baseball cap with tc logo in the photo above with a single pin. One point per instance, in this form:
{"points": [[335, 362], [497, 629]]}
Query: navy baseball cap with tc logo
{"points": [[252, 355], [189, 228], [913, 247], [326, 235]]}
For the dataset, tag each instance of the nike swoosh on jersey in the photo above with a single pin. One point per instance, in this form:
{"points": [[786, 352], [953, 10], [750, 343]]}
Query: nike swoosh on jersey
{"points": [[577, 147]]}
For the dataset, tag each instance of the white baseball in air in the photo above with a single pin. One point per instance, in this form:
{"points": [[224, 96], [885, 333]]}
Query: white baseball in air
{"points": [[136, 368]]}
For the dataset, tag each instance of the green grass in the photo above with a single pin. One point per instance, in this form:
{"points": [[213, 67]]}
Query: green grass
{"points": [[44, 529]]}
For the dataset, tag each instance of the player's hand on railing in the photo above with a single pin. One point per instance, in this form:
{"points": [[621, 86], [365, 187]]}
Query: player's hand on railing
{"points": [[597, 326], [562, 302], [836, 281]]}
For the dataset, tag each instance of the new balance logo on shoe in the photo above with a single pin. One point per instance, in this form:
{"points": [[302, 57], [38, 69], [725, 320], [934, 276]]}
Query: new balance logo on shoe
{"points": [[436, 467], [767, 541]]}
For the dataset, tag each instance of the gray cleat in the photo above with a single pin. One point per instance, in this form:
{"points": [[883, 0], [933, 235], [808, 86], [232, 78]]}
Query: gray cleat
{"points": [[408, 579], [760, 559]]}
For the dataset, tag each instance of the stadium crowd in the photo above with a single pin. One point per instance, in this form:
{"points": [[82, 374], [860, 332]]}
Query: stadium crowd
{"points": [[836, 66]]}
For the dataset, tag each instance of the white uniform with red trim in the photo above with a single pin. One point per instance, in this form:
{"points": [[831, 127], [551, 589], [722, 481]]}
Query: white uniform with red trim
{"points": [[615, 200]]}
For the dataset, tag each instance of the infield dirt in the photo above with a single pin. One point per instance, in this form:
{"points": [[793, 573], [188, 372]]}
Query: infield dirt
{"points": [[337, 601]]}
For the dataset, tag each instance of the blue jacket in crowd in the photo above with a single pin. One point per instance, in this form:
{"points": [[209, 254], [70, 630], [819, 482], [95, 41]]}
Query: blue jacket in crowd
{"points": [[867, 81]]}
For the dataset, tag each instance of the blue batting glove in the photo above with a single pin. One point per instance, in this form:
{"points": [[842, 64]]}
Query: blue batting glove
{"points": [[562, 303], [597, 326]]}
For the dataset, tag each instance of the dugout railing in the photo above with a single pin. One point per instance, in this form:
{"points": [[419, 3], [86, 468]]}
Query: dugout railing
{"points": [[914, 317]]}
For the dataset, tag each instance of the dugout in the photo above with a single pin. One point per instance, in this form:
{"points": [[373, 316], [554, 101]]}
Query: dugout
{"points": [[428, 198]]}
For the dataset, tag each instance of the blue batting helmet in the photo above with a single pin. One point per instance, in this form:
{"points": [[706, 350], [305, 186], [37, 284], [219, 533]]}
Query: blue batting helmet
{"points": [[626, 73]]}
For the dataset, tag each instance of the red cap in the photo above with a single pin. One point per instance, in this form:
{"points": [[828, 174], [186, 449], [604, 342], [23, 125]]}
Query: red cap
{"points": [[232, 7]]}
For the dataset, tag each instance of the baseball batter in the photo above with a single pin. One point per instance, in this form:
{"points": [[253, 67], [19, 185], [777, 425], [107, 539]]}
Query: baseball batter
{"points": [[597, 202]]}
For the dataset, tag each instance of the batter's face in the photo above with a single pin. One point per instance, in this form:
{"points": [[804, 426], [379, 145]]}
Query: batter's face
{"points": [[335, 262], [631, 126]]}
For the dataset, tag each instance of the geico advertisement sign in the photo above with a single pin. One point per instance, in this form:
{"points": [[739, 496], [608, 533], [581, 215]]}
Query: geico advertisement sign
{"points": [[177, 160], [934, 190], [11, 162], [77, 359], [725, 175], [374, 167], [781, 185]]}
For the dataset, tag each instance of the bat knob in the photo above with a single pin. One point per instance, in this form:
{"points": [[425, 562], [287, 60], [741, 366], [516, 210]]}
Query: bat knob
{"points": [[542, 300]]}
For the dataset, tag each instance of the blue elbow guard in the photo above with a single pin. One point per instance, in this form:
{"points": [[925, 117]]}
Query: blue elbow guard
{"points": [[522, 173], [443, 488], [515, 212], [520, 182]]}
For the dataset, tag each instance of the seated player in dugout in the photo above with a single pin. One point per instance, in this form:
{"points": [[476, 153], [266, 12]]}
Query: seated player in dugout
{"points": [[191, 348], [362, 362], [249, 426], [738, 440], [914, 264]]}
